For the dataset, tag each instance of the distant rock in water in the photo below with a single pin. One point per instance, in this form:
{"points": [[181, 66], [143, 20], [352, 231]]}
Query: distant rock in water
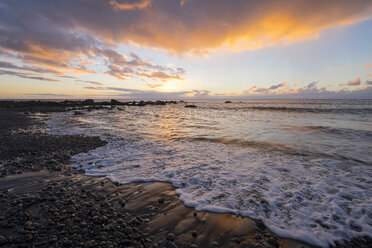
{"points": [[228, 102], [191, 106], [115, 102], [78, 113], [88, 102]]}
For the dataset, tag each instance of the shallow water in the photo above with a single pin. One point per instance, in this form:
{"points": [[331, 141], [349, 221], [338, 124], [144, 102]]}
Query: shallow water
{"points": [[303, 167]]}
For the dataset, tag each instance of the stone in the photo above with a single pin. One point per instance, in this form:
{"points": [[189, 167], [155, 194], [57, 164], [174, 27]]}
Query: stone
{"points": [[273, 242], [171, 237], [128, 230]]}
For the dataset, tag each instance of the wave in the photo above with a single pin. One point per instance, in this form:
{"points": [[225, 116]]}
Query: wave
{"points": [[275, 147], [315, 110], [250, 144], [295, 109]]}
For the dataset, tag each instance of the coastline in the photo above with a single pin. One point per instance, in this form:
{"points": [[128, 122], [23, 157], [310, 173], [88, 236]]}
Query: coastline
{"points": [[47, 202]]}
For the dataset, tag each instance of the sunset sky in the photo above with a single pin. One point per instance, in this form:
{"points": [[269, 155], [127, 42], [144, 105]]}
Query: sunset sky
{"points": [[171, 49]]}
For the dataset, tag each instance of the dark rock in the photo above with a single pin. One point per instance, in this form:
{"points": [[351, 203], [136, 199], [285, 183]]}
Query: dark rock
{"points": [[172, 245], [171, 237], [128, 230], [3, 240], [78, 113], [228, 102], [260, 225], [190, 106], [88, 102], [273, 242], [238, 241], [126, 242], [161, 200]]}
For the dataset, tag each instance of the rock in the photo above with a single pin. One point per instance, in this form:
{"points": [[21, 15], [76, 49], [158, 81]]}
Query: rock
{"points": [[161, 200], [128, 230], [126, 242], [190, 106], [258, 237], [88, 102], [238, 241], [2, 240], [172, 245], [171, 237], [273, 242], [260, 225], [78, 113], [228, 102], [195, 214], [194, 234]]}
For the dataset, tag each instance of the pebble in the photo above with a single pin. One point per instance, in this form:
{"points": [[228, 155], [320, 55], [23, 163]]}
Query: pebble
{"points": [[273, 242], [171, 237]]}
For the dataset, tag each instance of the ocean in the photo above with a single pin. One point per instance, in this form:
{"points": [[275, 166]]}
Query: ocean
{"points": [[303, 167]]}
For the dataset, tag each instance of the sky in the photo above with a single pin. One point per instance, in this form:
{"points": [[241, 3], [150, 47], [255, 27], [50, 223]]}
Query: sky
{"points": [[185, 49]]}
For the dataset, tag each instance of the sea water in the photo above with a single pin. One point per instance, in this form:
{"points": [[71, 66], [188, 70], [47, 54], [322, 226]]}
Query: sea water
{"points": [[304, 167]]}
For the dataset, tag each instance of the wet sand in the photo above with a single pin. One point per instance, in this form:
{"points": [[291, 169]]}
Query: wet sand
{"points": [[46, 203]]}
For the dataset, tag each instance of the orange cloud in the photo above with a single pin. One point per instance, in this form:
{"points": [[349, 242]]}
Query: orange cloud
{"points": [[355, 82], [153, 86], [367, 65], [130, 6], [177, 26]]}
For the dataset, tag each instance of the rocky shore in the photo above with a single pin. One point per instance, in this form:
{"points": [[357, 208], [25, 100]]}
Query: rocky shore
{"points": [[46, 203]]}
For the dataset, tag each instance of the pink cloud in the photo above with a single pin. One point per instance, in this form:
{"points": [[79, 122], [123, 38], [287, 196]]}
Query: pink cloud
{"points": [[354, 82]]}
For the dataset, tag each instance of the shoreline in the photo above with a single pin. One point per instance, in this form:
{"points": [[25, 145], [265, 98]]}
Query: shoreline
{"points": [[139, 214]]}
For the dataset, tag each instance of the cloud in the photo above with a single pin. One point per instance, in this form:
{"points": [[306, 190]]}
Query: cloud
{"points": [[274, 87], [311, 85], [113, 89], [89, 82], [369, 75], [198, 94], [153, 86], [269, 90], [287, 93], [131, 6], [27, 76], [10, 65], [151, 94], [355, 82], [368, 66], [48, 94], [311, 91], [176, 26]]}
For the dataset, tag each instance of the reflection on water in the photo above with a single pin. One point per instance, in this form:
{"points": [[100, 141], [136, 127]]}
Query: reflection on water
{"points": [[301, 166]]}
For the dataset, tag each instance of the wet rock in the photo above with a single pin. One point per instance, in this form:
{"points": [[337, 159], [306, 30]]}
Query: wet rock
{"points": [[273, 242], [78, 113], [236, 240], [126, 242], [172, 245], [3, 240], [171, 237], [190, 106], [128, 230]]}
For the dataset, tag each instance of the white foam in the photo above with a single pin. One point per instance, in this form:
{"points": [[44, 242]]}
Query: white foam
{"points": [[311, 198]]}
